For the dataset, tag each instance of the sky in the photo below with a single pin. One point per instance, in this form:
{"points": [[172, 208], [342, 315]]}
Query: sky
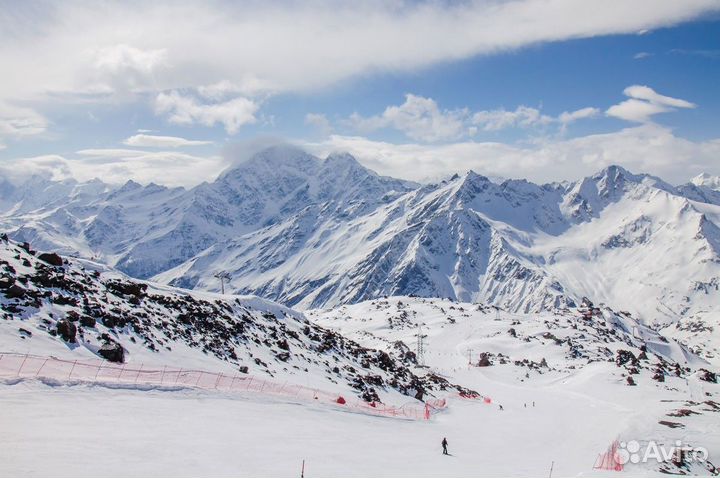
{"points": [[547, 90]]}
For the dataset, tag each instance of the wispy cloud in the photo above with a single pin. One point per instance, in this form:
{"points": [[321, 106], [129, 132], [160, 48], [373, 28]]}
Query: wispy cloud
{"points": [[642, 55], [170, 168], [152, 141], [19, 122], [644, 103], [643, 148], [319, 121], [422, 119], [710, 54]]}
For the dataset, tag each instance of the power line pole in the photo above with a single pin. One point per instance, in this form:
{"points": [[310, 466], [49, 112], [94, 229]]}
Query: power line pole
{"points": [[223, 276], [420, 347]]}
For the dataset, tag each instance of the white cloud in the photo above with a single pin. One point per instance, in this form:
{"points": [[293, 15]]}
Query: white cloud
{"points": [[188, 110], [646, 148], [648, 94], [18, 122], [642, 55], [523, 116], [567, 117], [319, 121], [285, 46], [153, 141], [224, 88], [169, 168], [419, 118], [644, 103], [422, 119]]}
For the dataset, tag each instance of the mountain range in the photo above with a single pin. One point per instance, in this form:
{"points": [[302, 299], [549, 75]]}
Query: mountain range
{"points": [[317, 233]]}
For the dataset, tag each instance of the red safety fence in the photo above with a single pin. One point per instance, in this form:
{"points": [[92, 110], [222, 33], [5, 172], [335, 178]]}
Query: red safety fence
{"points": [[610, 460], [99, 371]]}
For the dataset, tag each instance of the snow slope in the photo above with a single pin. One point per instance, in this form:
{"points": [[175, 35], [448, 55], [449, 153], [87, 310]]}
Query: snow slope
{"points": [[580, 397], [570, 364]]}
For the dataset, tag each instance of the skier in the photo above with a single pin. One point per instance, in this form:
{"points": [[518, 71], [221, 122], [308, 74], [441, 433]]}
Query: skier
{"points": [[501, 407], [444, 445]]}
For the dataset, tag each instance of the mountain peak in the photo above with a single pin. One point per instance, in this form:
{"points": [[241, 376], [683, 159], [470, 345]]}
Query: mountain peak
{"points": [[707, 180], [344, 159]]}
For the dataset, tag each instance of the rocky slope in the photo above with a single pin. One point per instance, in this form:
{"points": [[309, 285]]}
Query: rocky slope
{"points": [[59, 306]]}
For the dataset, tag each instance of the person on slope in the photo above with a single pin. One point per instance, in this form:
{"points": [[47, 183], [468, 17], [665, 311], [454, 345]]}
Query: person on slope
{"points": [[444, 445]]}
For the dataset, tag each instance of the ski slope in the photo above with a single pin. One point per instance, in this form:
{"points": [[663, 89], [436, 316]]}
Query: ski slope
{"points": [[581, 405]]}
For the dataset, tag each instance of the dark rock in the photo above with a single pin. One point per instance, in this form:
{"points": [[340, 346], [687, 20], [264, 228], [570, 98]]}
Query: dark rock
{"points": [[127, 288], [671, 424], [707, 376], [15, 292], [6, 283], [112, 352], [625, 356], [484, 360], [243, 369], [67, 330], [24, 332], [683, 412], [87, 321], [51, 258], [72, 316], [630, 381]]}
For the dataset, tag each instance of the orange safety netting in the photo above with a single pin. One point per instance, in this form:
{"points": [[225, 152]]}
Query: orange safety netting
{"points": [[98, 371]]}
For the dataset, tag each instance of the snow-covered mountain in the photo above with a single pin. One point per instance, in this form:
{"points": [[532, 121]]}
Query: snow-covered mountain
{"points": [[309, 233], [632, 241], [145, 230], [78, 309]]}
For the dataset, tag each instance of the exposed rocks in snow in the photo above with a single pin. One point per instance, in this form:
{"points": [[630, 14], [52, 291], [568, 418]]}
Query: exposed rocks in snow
{"points": [[107, 313], [112, 352], [51, 258], [66, 330]]}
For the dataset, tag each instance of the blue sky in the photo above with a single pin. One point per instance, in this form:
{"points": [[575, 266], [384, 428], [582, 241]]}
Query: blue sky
{"points": [[169, 92]]}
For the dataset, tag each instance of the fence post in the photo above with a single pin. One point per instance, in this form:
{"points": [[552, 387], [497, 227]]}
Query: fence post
{"points": [[137, 377], [177, 377], [21, 365], [232, 384], [97, 373], [199, 377], [71, 369], [40, 369], [162, 377], [218, 380]]}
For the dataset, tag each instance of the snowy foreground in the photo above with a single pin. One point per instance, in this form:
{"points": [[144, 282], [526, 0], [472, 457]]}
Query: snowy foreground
{"points": [[91, 430], [581, 406]]}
